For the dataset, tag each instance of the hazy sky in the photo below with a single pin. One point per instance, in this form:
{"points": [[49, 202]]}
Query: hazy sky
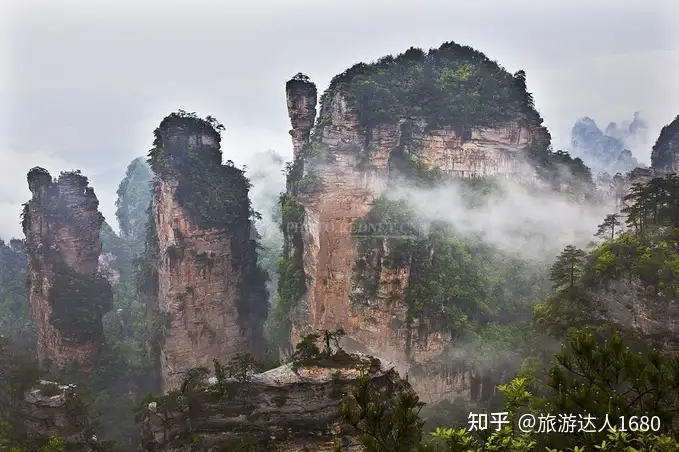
{"points": [[85, 83]]}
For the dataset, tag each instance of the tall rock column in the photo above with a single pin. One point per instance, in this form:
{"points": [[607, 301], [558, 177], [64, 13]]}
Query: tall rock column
{"points": [[66, 295], [665, 153], [211, 299], [301, 96]]}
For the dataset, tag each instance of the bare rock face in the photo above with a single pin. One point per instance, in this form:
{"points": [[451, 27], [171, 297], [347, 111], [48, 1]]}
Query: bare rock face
{"points": [[67, 296], [631, 306], [301, 95], [665, 153], [50, 409], [210, 301], [282, 410], [342, 189], [107, 267]]}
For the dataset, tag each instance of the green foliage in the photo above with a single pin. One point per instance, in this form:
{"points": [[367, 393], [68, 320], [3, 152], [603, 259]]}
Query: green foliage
{"points": [[666, 146], [568, 267], [609, 227], [290, 270], [455, 280], [653, 205], [452, 85], [307, 353], [561, 171], [415, 170], [15, 318], [589, 377], [78, 302], [384, 424], [607, 377], [240, 367], [306, 350], [214, 195], [9, 442], [133, 200]]}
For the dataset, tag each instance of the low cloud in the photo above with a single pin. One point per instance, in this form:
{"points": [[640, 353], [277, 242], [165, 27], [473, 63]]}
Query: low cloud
{"points": [[528, 223]]}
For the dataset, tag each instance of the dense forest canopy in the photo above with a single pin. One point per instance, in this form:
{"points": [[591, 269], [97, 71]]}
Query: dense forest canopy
{"points": [[453, 85]]}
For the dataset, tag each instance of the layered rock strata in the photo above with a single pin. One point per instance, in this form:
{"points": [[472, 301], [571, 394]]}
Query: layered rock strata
{"points": [[208, 302], [301, 97], [282, 410], [347, 178], [51, 409], [66, 294]]}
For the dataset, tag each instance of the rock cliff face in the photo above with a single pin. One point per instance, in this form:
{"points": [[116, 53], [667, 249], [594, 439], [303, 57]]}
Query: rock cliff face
{"points": [[210, 300], [301, 95], [629, 305], [280, 410], [665, 153], [340, 171], [51, 409], [66, 295]]}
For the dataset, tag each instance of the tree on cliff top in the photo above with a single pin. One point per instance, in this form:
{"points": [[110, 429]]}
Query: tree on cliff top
{"points": [[215, 195], [453, 85]]}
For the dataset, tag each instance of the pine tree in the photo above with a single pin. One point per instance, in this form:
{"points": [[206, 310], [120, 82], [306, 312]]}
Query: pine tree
{"points": [[384, 425], [568, 267], [608, 226]]}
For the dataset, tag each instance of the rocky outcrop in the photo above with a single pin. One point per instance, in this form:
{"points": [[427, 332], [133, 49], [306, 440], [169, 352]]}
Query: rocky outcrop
{"points": [[284, 410], [301, 96], [340, 171], [633, 306], [607, 152], [36, 409], [665, 153], [66, 294], [210, 300], [51, 409]]}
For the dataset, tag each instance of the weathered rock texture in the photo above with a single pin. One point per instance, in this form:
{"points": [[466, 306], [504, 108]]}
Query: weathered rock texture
{"points": [[52, 409], [631, 306], [281, 410], [67, 296], [665, 153], [301, 95], [343, 191], [205, 300]]}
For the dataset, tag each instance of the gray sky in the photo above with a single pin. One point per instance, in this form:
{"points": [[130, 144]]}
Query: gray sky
{"points": [[85, 83]]}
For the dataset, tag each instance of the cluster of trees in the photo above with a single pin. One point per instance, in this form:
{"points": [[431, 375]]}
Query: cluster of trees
{"points": [[595, 375], [453, 85]]}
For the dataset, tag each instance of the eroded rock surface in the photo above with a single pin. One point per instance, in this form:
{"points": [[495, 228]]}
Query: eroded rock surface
{"points": [[282, 410], [51, 409], [354, 173], [210, 301], [301, 97], [632, 306], [67, 296]]}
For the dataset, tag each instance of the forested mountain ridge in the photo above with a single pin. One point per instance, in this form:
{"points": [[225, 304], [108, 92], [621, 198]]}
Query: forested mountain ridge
{"points": [[367, 266], [414, 122]]}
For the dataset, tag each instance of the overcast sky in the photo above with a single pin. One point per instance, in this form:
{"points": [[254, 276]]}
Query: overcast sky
{"points": [[84, 84]]}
